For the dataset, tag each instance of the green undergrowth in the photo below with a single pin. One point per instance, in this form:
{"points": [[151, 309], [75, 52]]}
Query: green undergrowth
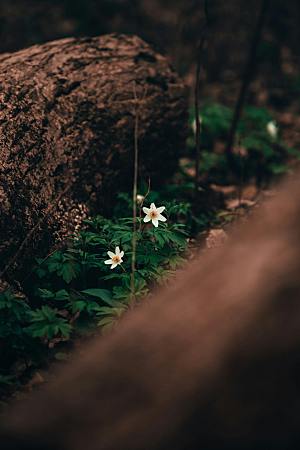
{"points": [[259, 152], [72, 291]]}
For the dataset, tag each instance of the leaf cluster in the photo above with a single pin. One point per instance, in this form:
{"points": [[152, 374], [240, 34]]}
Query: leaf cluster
{"points": [[257, 153], [72, 288]]}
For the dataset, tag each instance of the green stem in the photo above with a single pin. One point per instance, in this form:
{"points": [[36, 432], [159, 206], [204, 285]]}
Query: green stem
{"points": [[134, 195]]}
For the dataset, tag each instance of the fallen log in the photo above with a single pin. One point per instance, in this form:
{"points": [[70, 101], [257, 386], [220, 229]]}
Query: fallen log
{"points": [[210, 363], [67, 112]]}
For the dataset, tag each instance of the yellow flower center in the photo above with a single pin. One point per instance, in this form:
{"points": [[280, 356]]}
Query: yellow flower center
{"points": [[153, 214], [116, 259]]}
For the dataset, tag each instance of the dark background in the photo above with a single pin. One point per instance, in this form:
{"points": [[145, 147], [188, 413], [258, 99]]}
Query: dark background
{"points": [[174, 28]]}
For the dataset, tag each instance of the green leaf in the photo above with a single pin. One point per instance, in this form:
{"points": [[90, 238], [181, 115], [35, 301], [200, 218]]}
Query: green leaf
{"points": [[278, 169], [45, 293], [62, 294], [69, 271], [103, 294], [46, 323], [106, 321]]}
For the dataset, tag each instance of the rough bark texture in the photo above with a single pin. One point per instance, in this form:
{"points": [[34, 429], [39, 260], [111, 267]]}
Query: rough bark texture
{"points": [[211, 363], [66, 131]]}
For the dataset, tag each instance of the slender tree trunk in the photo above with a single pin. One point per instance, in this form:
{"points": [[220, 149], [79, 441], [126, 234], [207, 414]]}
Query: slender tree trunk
{"points": [[248, 75]]}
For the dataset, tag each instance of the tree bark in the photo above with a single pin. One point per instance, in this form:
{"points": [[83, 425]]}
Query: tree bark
{"points": [[67, 133]]}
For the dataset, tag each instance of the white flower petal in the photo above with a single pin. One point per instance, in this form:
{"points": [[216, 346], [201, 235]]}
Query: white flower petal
{"points": [[152, 206], [111, 254], [162, 218], [155, 222], [160, 209], [117, 250], [272, 129], [108, 261], [147, 218], [146, 210], [122, 254]]}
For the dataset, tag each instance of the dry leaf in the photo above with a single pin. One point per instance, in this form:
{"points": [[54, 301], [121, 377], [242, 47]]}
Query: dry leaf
{"points": [[236, 203], [226, 190]]}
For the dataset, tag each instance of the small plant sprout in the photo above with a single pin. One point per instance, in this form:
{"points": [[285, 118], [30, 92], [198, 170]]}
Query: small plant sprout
{"points": [[115, 258], [272, 129], [154, 214]]}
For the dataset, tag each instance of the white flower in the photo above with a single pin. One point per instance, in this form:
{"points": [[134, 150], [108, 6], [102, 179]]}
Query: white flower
{"points": [[115, 258], [272, 129], [154, 214]]}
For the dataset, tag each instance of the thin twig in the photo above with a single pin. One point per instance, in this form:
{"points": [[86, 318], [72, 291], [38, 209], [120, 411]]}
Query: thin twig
{"points": [[241, 178], [248, 75], [200, 48]]}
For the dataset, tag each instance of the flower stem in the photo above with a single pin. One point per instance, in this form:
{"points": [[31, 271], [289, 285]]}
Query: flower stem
{"points": [[134, 195], [142, 204]]}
